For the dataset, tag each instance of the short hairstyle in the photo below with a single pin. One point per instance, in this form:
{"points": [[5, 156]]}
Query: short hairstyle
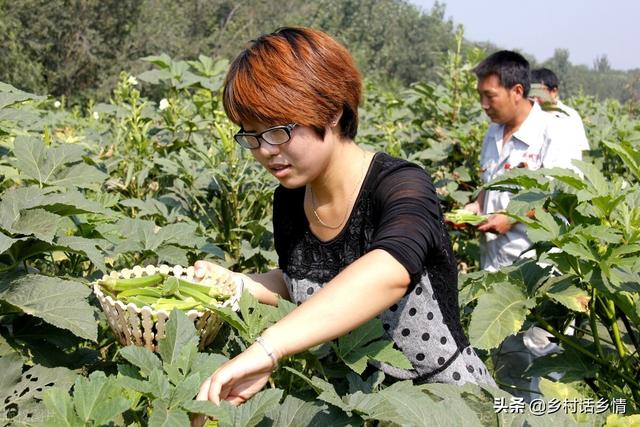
{"points": [[546, 77], [294, 75], [510, 67]]}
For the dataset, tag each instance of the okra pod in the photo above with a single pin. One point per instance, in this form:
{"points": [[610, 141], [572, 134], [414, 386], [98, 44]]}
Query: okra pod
{"points": [[118, 285], [211, 291], [147, 292]]}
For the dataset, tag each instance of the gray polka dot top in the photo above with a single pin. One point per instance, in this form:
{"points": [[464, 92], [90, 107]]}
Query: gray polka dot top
{"points": [[398, 211]]}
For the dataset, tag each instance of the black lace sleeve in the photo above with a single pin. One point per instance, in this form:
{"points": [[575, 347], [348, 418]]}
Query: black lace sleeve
{"points": [[409, 218]]}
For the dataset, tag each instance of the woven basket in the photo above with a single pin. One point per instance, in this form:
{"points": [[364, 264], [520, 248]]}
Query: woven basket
{"points": [[144, 326]]}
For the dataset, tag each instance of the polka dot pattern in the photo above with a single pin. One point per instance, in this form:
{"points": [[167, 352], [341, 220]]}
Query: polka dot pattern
{"points": [[416, 327]]}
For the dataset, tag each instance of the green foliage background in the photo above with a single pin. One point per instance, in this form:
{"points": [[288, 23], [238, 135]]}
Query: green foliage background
{"points": [[77, 48]]}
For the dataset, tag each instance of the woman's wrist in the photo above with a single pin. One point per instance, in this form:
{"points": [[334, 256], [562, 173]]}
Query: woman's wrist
{"points": [[269, 351]]}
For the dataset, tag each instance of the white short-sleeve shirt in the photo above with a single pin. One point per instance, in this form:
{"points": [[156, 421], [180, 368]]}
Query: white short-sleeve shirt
{"points": [[541, 142], [575, 126]]}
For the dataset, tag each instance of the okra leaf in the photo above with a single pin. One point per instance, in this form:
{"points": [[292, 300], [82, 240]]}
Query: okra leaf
{"points": [[163, 416], [38, 223], [91, 248], [295, 412], [357, 383], [16, 199], [6, 242], [255, 409], [172, 254], [360, 336], [210, 409], [142, 358], [186, 390], [60, 409], [62, 303], [499, 313], [206, 364], [97, 398], [179, 333], [569, 295], [159, 384], [21, 392]]}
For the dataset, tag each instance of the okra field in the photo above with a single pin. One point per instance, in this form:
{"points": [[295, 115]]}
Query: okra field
{"points": [[154, 177]]}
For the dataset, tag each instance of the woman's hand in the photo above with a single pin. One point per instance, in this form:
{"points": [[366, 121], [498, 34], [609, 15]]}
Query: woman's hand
{"points": [[204, 269], [237, 380]]}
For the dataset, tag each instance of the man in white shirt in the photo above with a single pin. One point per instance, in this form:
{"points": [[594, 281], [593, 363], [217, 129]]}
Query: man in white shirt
{"points": [[521, 135], [544, 89]]}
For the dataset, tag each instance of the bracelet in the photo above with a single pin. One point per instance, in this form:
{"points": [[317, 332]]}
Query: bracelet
{"points": [[269, 350]]}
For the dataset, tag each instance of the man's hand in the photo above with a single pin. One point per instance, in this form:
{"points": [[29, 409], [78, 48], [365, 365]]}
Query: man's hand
{"points": [[473, 207], [497, 223]]}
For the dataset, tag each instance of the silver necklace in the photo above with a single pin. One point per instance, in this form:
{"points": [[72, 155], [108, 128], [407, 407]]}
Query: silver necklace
{"points": [[351, 200]]}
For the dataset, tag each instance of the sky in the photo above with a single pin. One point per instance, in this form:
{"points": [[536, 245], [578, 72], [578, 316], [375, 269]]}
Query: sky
{"points": [[587, 28]]}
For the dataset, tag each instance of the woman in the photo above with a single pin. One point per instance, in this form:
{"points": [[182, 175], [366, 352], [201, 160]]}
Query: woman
{"points": [[358, 234]]}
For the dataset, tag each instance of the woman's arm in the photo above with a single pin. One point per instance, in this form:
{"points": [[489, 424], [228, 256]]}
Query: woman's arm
{"points": [[360, 292], [266, 287]]}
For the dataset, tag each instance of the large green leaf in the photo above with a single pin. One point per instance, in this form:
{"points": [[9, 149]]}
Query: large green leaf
{"points": [[569, 295], [60, 409], [254, 410], [58, 166], [163, 416], [142, 358], [15, 200], [629, 155], [71, 202], [172, 254], [499, 313], [294, 412], [220, 412], [598, 184], [6, 242], [186, 390], [89, 247], [38, 223], [10, 95], [179, 333], [97, 398], [62, 303], [21, 392], [406, 405], [360, 336], [41, 163]]}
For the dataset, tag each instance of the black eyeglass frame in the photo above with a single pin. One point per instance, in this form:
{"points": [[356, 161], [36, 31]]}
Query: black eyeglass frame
{"points": [[240, 137]]}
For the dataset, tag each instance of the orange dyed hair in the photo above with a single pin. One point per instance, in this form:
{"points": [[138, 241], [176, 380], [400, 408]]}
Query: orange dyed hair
{"points": [[294, 75]]}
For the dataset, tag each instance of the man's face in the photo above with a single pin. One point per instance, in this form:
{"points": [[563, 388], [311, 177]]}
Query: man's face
{"points": [[499, 102]]}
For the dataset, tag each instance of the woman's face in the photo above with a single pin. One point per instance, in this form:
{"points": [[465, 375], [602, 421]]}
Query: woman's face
{"points": [[296, 162]]}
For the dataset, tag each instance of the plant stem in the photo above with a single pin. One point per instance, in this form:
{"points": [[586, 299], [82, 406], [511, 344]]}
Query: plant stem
{"points": [[568, 342], [633, 337], [630, 380], [615, 330], [593, 322]]}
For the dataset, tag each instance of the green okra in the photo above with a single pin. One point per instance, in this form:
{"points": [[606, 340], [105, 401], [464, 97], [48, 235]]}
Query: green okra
{"points": [[211, 291], [169, 304], [141, 300], [117, 285], [148, 292]]}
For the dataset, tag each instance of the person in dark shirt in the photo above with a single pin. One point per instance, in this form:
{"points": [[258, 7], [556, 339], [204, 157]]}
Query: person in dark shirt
{"points": [[358, 234]]}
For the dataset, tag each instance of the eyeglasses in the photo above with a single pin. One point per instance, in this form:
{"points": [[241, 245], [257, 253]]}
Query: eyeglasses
{"points": [[276, 135]]}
